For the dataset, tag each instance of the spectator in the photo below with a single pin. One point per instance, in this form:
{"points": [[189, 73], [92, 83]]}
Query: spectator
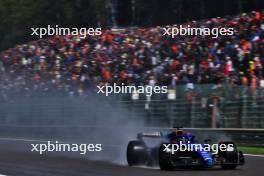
{"points": [[141, 56]]}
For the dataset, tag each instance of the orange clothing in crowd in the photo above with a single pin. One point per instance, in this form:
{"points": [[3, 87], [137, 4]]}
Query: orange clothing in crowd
{"points": [[109, 38], [244, 81], [174, 48], [245, 45], [251, 67], [258, 16], [106, 74], [254, 85], [254, 82]]}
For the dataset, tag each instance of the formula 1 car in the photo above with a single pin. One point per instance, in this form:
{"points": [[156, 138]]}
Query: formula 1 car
{"points": [[158, 149]]}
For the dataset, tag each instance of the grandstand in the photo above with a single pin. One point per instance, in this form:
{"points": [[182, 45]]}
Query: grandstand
{"points": [[138, 56], [196, 67]]}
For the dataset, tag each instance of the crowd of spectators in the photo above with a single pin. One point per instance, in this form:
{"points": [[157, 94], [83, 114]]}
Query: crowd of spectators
{"points": [[138, 56]]}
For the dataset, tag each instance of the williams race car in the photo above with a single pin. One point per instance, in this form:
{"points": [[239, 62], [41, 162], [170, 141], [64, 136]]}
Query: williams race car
{"points": [[159, 149]]}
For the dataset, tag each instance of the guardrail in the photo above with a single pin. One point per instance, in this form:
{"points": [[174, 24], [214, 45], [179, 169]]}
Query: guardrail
{"points": [[50, 116], [243, 136]]}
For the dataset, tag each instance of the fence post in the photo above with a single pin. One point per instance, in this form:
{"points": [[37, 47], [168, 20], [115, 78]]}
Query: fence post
{"points": [[214, 112], [192, 112], [244, 111]]}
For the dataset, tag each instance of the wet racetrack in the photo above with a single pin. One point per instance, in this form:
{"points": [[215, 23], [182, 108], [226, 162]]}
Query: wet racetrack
{"points": [[19, 162]]}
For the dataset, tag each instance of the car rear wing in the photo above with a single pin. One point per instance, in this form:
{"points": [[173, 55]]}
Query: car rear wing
{"points": [[149, 135]]}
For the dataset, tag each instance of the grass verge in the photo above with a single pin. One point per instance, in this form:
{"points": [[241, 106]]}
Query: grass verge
{"points": [[252, 150]]}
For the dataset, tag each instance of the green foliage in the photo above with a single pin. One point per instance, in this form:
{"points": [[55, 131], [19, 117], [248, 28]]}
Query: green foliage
{"points": [[18, 16]]}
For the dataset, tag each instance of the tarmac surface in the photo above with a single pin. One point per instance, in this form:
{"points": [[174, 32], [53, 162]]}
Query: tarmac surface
{"points": [[15, 160]]}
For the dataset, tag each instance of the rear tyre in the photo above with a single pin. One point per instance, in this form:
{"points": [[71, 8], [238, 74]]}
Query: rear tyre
{"points": [[230, 157], [136, 153]]}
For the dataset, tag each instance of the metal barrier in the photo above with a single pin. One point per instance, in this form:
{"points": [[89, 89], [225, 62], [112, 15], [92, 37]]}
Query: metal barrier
{"points": [[203, 107], [250, 137], [191, 111], [201, 113]]}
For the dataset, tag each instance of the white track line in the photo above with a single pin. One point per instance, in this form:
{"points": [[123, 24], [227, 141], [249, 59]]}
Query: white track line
{"points": [[254, 155], [21, 139]]}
